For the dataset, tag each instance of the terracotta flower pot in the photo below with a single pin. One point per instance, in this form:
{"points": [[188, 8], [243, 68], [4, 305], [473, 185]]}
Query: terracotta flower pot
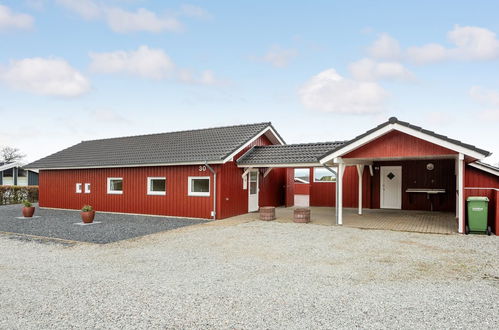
{"points": [[88, 217], [28, 211]]}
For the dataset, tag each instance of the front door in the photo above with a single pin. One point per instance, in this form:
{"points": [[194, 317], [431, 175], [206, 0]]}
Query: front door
{"points": [[391, 187], [253, 191]]}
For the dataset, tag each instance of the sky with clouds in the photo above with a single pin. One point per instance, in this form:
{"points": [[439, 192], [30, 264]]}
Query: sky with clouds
{"points": [[73, 70]]}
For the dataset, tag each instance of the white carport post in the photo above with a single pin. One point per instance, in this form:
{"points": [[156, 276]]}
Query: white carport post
{"points": [[460, 192], [360, 171], [339, 195]]}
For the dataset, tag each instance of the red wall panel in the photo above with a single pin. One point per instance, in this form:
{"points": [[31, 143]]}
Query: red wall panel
{"points": [[57, 190], [290, 187], [398, 144], [302, 188]]}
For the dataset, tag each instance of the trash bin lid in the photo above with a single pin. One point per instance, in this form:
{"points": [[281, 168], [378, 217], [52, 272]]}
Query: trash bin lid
{"points": [[477, 199]]}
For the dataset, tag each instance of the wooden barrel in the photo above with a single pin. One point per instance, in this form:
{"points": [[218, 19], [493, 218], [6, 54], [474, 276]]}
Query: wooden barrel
{"points": [[267, 213], [301, 215]]}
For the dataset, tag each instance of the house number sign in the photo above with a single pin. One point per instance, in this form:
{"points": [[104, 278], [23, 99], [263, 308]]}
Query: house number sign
{"points": [[202, 168]]}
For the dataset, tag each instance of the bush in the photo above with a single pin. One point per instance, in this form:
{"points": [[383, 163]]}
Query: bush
{"points": [[27, 204], [18, 194], [87, 208]]}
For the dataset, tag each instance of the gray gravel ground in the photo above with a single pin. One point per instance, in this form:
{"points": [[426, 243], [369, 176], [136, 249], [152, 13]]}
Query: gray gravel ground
{"points": [[254, 275], [61, 224]]}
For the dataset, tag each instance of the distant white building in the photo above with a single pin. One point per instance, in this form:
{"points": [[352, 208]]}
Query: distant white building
{"points": [[13, 174]]}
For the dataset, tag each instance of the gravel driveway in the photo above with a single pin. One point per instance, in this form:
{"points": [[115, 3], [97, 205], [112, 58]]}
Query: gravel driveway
{"points": [[67, 225], [254, 275]]}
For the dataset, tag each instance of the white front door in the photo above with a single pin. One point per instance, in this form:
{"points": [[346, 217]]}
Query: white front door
{"points": [[391, 187], [253, 191]]}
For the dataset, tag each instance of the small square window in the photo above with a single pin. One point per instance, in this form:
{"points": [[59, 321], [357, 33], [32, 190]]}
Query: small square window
{"points": [[78, 188], [156, 186], [115, 185], [87, 188], [199, 186], [322, 174]]}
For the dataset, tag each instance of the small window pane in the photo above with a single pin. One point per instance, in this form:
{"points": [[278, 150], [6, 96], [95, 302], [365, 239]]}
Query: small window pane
{"points": [[21, 173], [116, 185], [323, 175], [253, 176], [8, 173], [253, 186], [158, 185], [302, 175], [200, 185]]}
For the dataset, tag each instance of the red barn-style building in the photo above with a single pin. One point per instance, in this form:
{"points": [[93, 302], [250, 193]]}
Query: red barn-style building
{"points": [[227, 171]]}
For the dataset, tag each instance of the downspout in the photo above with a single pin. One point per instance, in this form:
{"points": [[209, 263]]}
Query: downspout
{"points": [[336, 184], [214, 190]]}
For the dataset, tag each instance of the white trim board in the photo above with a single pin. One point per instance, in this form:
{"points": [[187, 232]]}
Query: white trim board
{"points": [[407, 130], [241, 148], [484, 168]]}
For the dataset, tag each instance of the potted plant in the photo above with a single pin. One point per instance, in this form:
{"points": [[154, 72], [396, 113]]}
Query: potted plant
{"points": [[87, 214], [28, 209]]}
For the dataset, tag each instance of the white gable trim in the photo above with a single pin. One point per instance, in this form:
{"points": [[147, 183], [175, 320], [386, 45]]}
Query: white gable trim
{"points": [[264, 131], [485, 168], [10, 165], [404, 129]]}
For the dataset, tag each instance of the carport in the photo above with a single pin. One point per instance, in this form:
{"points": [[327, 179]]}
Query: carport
{"points": [[406, 176]]}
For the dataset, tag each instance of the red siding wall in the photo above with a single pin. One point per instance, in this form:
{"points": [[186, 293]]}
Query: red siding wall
{"points": [[415, 175], [398, 144], [302, 188], [57, 190], [290, 187], [476, 178]]}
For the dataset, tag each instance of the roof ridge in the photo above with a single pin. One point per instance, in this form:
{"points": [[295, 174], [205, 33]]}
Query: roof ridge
{"points": [[180, 131], [302, 144]]}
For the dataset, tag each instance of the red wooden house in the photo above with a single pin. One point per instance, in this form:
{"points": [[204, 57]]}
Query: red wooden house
{"points": [[226, 171]]}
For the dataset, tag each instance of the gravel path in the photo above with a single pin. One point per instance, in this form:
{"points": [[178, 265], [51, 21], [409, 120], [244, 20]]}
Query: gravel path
{"points": [[254, 275], [62, 224]]}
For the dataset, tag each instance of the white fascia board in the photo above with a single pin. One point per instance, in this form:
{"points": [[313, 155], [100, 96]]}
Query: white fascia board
{"points": [[264, 131], [485, 168], [10, 165], [407, 130], [282, 165], [127, 166]]}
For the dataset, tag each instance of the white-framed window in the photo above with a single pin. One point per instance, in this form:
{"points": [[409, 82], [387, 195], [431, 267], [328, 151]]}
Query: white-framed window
{"points": [[199, 186], [302, 175], [322, 174], [115, 185], [87, 188], [156, 186], [78, 188]]}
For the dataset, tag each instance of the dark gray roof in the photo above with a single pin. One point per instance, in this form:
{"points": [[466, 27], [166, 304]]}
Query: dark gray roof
{"points": [[305, 153], [394, 120], [210, 144]]}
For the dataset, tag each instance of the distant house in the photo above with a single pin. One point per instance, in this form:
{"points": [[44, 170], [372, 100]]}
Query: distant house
{"points": [[13, 174]]}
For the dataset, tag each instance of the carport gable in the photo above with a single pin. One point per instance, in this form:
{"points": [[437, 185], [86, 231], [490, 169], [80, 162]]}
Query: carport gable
{"points": [[397, 139]]}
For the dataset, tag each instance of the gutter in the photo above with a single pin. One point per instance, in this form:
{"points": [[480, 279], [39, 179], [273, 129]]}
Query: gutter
{"points": [[214, 189]]}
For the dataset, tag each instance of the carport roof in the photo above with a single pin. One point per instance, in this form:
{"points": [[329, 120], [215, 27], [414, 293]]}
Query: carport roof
{"points": [[287, 155]]}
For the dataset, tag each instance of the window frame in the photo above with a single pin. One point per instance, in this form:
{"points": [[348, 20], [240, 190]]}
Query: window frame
{"points": [[319, 181], [79, 188], [114, 192], [198, 194], [87, 188], [149, 186]]}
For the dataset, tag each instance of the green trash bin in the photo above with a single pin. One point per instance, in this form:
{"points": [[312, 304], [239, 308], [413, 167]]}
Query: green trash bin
{"points": [[477, 215]]}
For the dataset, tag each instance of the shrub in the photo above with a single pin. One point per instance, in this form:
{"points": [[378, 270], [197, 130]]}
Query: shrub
{"points": [[87, 208], [18, 194], [27, 204]]}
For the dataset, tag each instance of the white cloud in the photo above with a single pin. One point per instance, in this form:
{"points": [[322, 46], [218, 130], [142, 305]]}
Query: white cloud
{"points": [[330, 92], [142, 20], [147, 63], [385, 47], [488, 98], [45, 76], [87, 9], [194, 11], [144, 62], [11, 20], [279, 57], [439, 118], [370, 70], [471, 43]]}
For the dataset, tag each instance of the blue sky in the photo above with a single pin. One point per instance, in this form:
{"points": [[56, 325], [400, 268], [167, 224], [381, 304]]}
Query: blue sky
{"points": [[73, 70]]}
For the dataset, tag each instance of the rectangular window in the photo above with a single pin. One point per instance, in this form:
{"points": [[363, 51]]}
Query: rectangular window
{"points": [[78, 188], [199, 186], [87, 188], [115, 185], [156, 186], [323, 175], [9, 173], [302, 175], [21, 173]]}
